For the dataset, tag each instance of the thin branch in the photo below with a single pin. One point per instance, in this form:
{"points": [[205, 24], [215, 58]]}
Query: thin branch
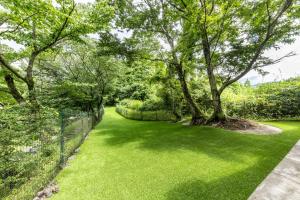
{"points": [[272, 62], [18, 25], [57, 36]]}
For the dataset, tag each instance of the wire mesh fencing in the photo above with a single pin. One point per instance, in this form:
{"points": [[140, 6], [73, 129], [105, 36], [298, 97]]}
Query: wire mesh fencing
{"points": [[34, 146]]}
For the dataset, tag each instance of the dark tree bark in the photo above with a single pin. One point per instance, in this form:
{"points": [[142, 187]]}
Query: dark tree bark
{"points": [[218, 113], [30, 83], [197, 116], [12, 89]]}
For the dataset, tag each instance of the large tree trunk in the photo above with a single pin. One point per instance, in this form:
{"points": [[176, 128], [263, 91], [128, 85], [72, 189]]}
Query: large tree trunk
{"points": [[197, 116], [218, 114], [30, 83], [32, 95], [12, 89]]}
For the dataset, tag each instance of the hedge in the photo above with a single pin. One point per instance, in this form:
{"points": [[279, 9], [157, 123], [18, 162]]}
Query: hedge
{"points": [[159, 115]]}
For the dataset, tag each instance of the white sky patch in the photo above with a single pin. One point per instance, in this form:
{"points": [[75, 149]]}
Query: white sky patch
{"points": [[55, 4], [12, 44], [287, 68], [122, 34], [93, 36]]}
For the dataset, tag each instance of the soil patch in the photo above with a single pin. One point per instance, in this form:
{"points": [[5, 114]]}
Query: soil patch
{"points": [[248, 127]]}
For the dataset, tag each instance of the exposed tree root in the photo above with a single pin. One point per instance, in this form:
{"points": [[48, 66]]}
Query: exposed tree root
{"points": [[197, 121]]}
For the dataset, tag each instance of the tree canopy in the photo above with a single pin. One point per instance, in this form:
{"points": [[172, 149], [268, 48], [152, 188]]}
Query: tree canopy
{"points": [[107, 51]]}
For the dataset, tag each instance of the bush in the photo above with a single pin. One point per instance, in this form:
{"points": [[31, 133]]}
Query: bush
{"points": [[131, 104], [275, 100], [24, 135], [153, 104], [160, 115], [30, 147]]}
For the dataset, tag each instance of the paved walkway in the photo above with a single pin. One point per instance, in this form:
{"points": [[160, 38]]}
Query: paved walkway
{"points": [[283, 183]]}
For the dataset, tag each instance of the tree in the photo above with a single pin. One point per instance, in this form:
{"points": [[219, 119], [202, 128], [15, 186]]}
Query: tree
{"points": [[39, 26], [77, 78], [160, 20], [232, 36]]}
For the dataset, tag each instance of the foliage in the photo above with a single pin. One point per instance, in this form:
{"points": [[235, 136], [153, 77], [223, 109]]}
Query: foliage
{"points": [[158, 115], [231, 38], [24, 139], [155, 60], [78, 77], [275, 100], [35, 161], [151, 104]]}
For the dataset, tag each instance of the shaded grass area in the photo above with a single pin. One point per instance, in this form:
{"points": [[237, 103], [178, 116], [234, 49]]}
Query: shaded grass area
{"points": [[133, 160]]}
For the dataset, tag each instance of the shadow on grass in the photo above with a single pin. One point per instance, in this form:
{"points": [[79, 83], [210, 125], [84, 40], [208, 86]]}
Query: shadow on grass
{"points": [[161, 136], [216, 143], [237, 186]]}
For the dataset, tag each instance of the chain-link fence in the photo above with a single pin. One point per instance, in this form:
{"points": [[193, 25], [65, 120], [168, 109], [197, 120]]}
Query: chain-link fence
{"points": [[33, 147]]}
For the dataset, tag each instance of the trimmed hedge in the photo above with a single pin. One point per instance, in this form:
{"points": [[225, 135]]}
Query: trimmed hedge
{"points": [[159, 115]]}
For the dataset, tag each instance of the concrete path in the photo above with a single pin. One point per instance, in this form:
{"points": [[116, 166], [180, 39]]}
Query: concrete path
{"points": [[283, 183]]}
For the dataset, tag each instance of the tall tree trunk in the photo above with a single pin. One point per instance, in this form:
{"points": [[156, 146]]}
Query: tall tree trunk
{"points": [[197, 116], [30, 83], [218, 114], [12, 89], [32, 95]]}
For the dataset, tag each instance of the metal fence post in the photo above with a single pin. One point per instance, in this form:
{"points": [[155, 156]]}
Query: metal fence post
{"points": [[62, 140], [81, 116]]}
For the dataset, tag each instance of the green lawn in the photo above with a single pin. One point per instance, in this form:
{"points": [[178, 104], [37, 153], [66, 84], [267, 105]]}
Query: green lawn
{"points": [[135, 160]]}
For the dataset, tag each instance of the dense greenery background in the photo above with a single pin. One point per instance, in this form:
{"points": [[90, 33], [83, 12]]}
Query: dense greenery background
{"points": [[154, 60]]}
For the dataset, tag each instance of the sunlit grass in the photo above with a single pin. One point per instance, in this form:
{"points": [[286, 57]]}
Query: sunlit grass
{"points": [[134, 160]]}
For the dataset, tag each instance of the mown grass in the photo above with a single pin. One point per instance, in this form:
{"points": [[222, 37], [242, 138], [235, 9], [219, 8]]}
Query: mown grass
{"points": [[136, 160]]}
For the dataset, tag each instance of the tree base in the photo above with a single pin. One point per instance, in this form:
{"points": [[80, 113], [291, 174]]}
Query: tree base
{"points": [[197, 121], [217, 119]]}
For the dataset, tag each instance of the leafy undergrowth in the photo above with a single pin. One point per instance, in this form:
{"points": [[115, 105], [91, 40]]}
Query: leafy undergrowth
{"points": [[138, 160]]}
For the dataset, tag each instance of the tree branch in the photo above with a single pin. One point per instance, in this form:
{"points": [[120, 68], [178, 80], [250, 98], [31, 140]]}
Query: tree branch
{"points": [[57, 35], [4, 64], [269, 34]]}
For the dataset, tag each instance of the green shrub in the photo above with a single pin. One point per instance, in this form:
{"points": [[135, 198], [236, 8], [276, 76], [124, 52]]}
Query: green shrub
{"points": [[29, 148], [276, 100], [153, 104], [131, 104], [23, 137], [160, 115]]}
